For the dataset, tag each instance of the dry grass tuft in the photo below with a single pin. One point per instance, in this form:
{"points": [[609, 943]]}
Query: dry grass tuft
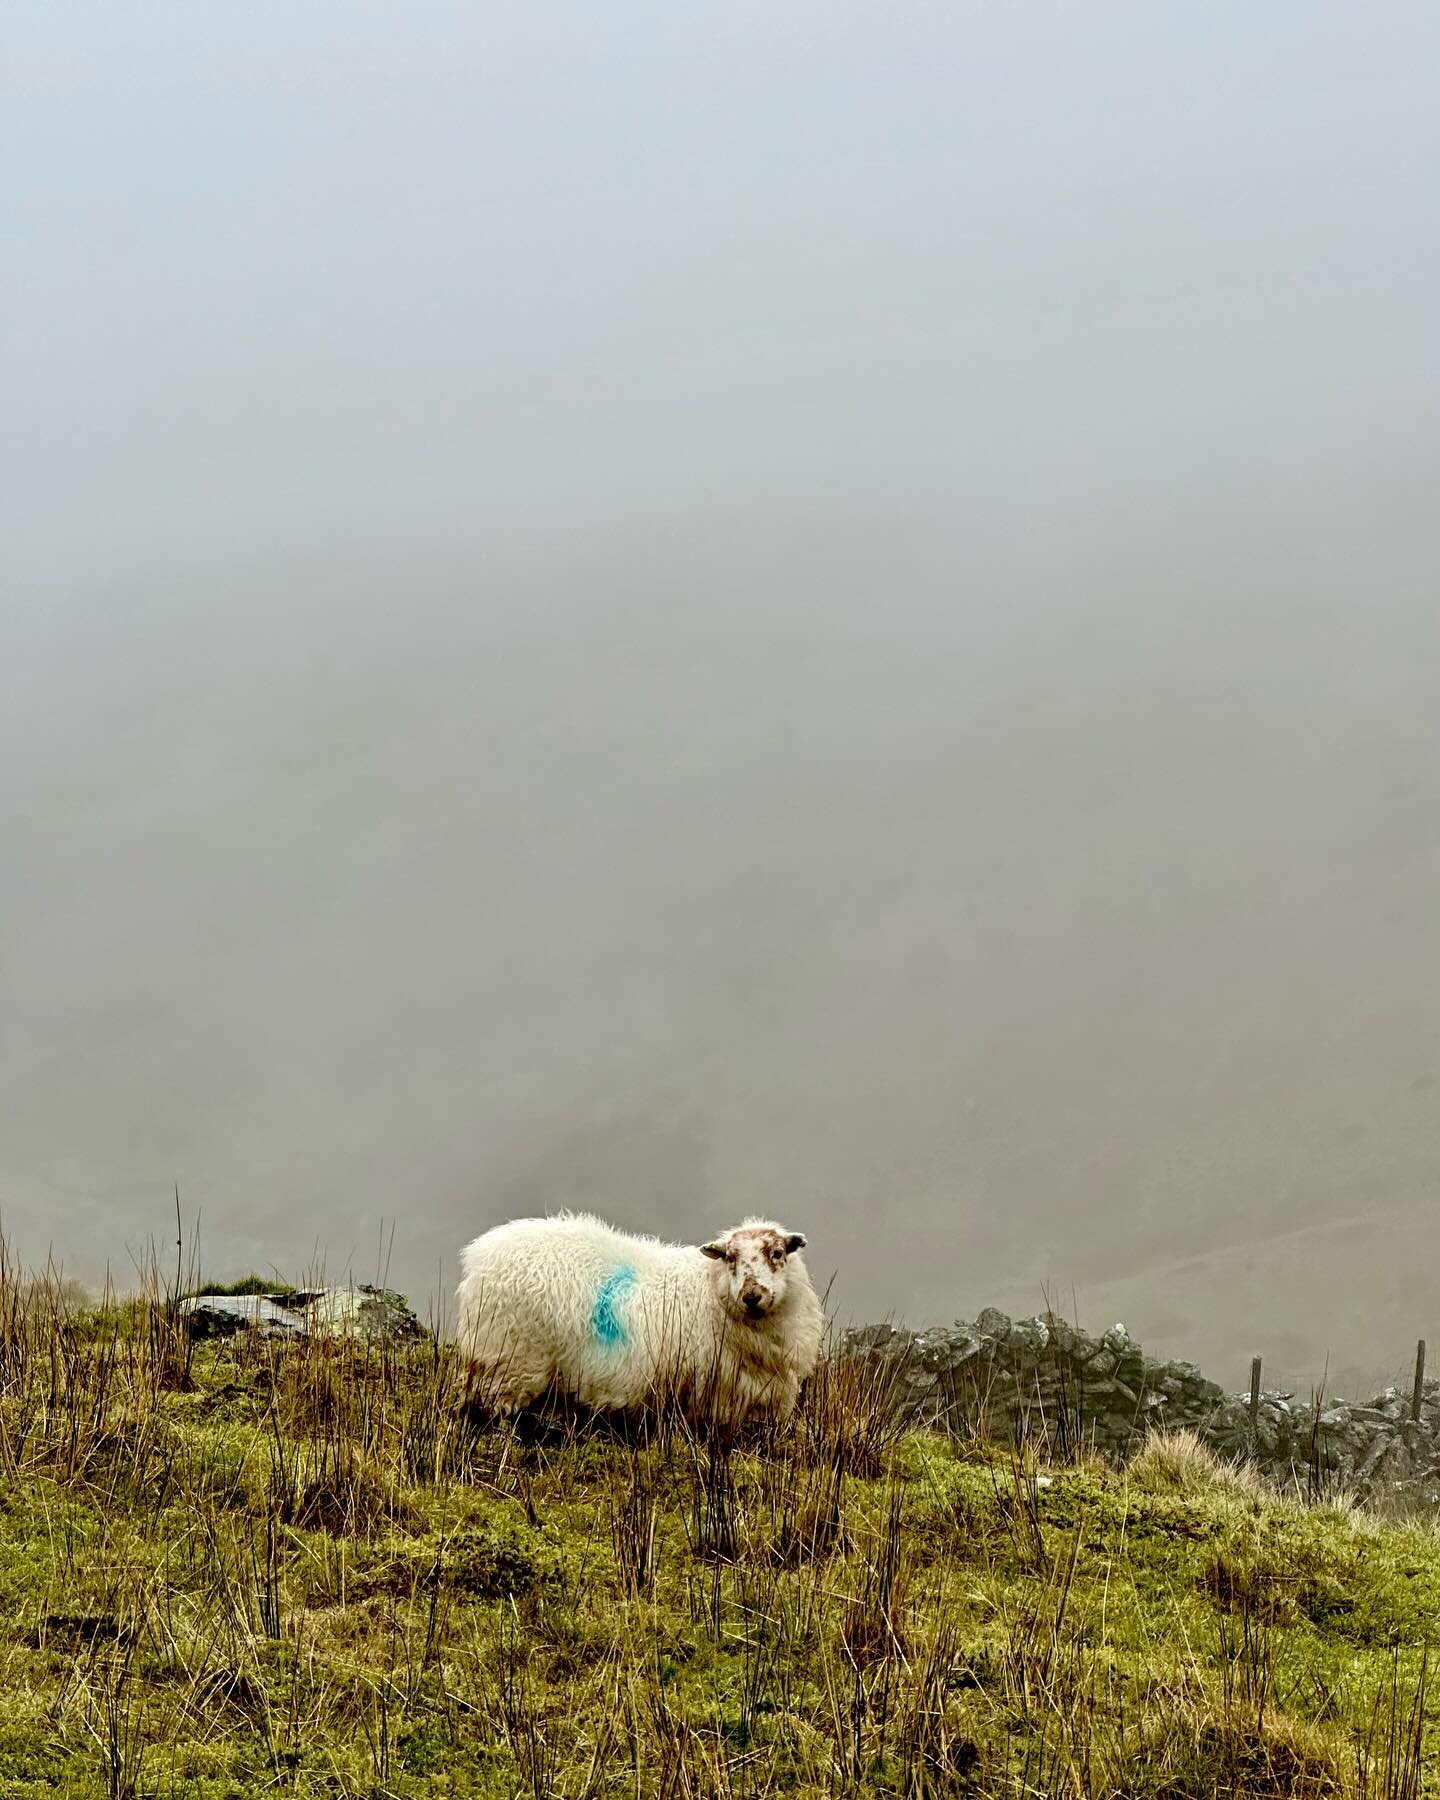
{"points": [[1180, 1462]]}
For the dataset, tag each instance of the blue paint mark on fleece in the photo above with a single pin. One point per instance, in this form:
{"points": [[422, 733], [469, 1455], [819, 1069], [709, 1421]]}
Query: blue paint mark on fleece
{"points": [[605, 1322]]}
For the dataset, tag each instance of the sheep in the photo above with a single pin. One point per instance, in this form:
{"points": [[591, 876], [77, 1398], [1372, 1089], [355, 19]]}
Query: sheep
{"points": [[567, 1305]]}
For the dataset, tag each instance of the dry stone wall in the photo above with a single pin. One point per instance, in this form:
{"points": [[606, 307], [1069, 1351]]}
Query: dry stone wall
{"points": [[1012, 1377]]}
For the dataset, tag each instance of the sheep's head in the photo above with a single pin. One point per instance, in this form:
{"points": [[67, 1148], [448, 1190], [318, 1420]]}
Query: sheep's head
{"points": [[754, 1267]]}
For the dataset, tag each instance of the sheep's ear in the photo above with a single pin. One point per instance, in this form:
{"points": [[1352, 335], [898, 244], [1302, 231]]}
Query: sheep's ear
{"points": [[794, 1240], [717, 1250]]}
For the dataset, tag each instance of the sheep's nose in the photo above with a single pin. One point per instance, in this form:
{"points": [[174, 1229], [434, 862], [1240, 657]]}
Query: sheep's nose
{"points": [[752, 1298]]}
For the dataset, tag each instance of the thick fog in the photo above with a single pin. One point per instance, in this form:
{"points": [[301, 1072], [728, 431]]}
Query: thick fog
{"points": [[817, 610]]}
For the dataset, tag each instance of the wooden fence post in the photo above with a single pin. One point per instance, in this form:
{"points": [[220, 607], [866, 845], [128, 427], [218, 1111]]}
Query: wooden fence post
{"points": [[1254, 1399], [1417, 1399]]}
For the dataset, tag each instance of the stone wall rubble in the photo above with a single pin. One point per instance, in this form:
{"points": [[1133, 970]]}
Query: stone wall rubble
{"points": [[1042, 1375], [366, 1311]]}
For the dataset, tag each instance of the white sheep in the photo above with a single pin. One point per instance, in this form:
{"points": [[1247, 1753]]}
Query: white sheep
{"points": [[568, 1305]]}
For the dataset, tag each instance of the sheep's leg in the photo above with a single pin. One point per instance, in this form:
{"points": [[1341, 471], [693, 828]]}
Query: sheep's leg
{"points": [[611, 1400], [499, 1390], [506, 1375]]}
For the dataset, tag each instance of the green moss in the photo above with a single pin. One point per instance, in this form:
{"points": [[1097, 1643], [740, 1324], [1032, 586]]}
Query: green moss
{"points": [[33, 1762], [245, 1284]]}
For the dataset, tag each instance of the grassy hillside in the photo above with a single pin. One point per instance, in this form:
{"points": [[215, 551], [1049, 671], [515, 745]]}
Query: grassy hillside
{"points": [[298, 1569]]}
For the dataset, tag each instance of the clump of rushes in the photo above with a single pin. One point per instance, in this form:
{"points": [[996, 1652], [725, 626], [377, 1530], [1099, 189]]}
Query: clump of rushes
{"points": [[303, 1567]]}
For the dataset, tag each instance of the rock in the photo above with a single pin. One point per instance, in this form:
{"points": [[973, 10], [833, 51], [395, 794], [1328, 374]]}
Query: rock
{"points": [[368, 1312], [946, 1350], [1031, 1336], [1372, 1457], [993, 1324], [1065, 1339], [863, 1340], [222, 1315]]}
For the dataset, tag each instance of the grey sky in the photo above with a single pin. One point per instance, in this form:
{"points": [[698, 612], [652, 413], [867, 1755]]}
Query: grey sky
{"points": [[820, 609]]}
